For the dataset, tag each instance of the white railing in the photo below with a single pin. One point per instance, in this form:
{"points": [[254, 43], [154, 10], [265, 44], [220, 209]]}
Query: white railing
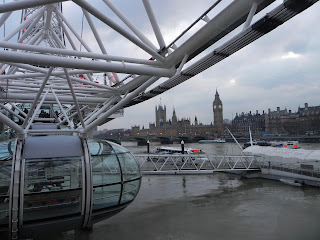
{"points": [[190, 163], [291, 168]]}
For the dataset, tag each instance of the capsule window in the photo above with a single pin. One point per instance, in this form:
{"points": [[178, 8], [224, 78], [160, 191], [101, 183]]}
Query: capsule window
{"points": [[105, 170], [52, 188], [115, 173], [130, 190], [130, 167], [106, 196]]}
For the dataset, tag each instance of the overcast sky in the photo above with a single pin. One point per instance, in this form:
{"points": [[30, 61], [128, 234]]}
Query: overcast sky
{"points": [[281, 69]]}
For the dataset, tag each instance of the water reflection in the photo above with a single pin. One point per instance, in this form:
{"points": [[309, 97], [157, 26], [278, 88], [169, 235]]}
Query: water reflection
{"points": [[184, 182]]}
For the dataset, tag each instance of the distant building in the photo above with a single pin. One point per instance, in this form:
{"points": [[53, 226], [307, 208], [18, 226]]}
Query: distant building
{"points": [[241, 123], [161, 116], [218, 114], [309, 119], [305, 121], [275, 120], [184, 126], [113, 133]]}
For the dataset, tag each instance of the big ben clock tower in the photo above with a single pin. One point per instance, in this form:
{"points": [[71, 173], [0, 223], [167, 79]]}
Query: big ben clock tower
{"points": [[217, 114]]}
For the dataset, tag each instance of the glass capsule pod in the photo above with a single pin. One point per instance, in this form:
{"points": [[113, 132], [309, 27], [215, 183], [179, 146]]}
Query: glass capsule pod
{"points": [[63, 182]]}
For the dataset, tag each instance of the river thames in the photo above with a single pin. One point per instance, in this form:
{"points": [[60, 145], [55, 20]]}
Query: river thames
{"points": [[216, 206]]}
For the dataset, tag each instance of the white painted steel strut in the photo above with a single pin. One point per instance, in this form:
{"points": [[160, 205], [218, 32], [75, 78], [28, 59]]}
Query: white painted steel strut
{"points": [[39, 59]]}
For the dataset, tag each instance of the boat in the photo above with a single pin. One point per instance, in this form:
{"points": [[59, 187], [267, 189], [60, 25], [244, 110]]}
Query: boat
{"points": [[278, 144], [285, 144], [177, 150], [259, 143], [296, 161], [291, 166], [218, 140], [195, 156], [291, 144]]}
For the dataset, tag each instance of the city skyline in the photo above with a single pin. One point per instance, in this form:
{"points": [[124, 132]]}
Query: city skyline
{"points": [[280, 69], [192, 116]]}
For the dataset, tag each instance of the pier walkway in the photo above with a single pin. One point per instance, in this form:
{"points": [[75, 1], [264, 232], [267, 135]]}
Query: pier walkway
{"points": [[315, 173], [195, 164], [155, 164], [278, 171]]}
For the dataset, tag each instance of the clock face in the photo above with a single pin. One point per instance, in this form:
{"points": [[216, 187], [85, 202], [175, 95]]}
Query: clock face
{"points": [[220, 106], [215, 106]]}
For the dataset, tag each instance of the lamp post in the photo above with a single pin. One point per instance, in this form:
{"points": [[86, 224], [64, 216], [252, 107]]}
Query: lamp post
{"points": [[182, 149], [182, 146]]}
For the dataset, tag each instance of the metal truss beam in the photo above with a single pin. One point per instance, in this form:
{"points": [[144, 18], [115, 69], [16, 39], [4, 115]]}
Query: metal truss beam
{"points": [[193, 163], [41, 64], [272, 20]]}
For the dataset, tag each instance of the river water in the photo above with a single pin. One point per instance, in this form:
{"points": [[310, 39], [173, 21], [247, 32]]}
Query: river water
{"points": [[216, 206]]}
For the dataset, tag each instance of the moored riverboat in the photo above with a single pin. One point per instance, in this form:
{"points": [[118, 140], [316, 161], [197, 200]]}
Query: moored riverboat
{"points": [[177, 150]]}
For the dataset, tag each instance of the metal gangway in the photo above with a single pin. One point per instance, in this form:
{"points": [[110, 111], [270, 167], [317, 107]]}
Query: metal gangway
{"points": [[195, 163]]}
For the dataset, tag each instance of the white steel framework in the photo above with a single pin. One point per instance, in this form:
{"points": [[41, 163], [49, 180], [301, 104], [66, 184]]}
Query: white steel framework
{"points": [[190, 163], [41, 63]]}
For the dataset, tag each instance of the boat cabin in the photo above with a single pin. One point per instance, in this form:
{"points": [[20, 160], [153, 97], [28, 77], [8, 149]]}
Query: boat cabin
{"points": [[177, 150]]}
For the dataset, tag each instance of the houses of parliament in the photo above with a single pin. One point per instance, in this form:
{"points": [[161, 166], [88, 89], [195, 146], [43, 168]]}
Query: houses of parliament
{"points": [[175, 127]]}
